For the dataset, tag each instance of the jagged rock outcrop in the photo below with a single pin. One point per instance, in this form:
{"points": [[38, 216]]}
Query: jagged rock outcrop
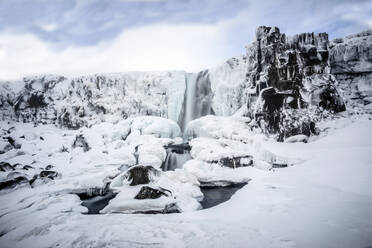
{"points": [[286, 73], [80, 141], [141, 174], [147, 192], [296, 70], [351, 63]]}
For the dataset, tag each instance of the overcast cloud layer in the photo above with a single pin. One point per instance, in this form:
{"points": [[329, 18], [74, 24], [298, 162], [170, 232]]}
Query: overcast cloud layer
{"points": [[72, 37]]}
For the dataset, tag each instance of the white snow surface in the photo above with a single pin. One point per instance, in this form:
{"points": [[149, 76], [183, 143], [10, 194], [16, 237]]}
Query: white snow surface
{"points": [[323, 199]]}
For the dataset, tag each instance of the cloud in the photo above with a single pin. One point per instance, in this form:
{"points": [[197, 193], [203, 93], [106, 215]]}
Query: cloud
{"points": [[152, 47], [48, 27], [78, 37]]}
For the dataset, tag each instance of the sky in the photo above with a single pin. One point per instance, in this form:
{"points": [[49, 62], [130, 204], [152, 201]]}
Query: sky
{"points": [[77, 37]]}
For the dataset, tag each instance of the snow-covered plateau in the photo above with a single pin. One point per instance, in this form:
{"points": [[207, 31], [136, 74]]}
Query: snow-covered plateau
{"points": [[270, 149]]}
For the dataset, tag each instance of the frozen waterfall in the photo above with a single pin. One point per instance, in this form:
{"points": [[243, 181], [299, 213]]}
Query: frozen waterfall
{"points": [[177, 156], [198, 98], [175, 160]]}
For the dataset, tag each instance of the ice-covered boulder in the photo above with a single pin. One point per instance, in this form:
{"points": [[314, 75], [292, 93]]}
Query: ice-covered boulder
{"points": [[137, 175], [209, 174], [144, 189], [296, 138], [214, 150], [153, 125], [212, 126]]}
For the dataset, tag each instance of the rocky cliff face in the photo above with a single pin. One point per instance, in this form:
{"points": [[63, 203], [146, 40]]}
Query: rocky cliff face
{"points": [[296, 68], [82, 101], [351, 63], [290, 79]]}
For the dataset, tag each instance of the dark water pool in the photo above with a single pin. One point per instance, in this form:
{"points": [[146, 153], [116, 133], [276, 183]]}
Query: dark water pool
{"points": [[216, 195], [97, 203]]}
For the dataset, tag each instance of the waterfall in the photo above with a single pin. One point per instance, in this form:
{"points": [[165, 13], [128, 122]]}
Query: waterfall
{"points": [[197, 99], [175, 160], [190, 99]]}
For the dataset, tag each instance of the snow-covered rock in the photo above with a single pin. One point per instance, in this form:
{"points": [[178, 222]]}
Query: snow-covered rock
{"points": [[209, 174], [351, 63], [212, 126], [177, 191], [80, 101]]}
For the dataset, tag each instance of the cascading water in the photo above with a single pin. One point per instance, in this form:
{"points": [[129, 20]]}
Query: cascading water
{"points": [[197, 99], [189, 100], [177, 156], [176, 160]]}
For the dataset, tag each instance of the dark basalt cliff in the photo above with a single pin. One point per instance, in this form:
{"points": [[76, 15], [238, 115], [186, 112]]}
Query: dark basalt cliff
{"points": [[296, 68], [290, 78]]}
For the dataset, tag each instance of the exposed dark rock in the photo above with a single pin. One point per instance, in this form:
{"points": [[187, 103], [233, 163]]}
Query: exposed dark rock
{"points": [[49, 174], [48, 167], [32, 180], [97, 108], [36, 100], [330, 99], [10, 140], [13, 182], [63, 149], [236, 162], [35, 181], [136, 153], [4, 166], [147, 192], [6, 148], [15, 174], [66, 119], [179, 148], [13, 142], [295, 122], [290, 73], [279, 165], [81, 142], [30, 99], [141, 174], [27, 167]]}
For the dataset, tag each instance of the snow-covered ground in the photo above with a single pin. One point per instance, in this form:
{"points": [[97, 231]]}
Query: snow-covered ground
{"points": [[323, 199]]}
